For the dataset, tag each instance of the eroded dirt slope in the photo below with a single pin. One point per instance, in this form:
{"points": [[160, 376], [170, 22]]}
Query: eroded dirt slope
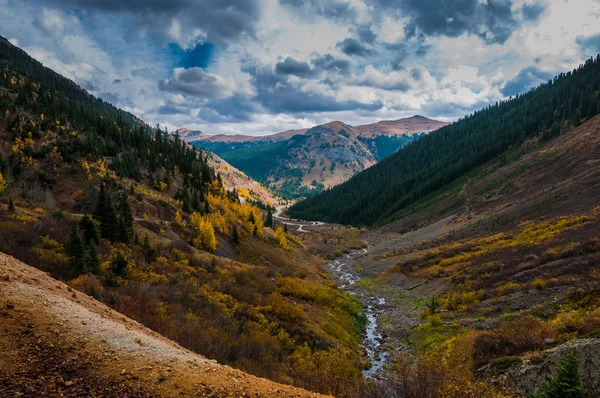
{"points": [[55, 340]]}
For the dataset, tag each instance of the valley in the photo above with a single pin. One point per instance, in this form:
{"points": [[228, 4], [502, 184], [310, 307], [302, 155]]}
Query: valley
{"points": [[405, 258], [301, 163]]}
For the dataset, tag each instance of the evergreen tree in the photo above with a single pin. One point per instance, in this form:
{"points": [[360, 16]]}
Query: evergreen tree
{"points": [[147, 248], [269, 219], [76, 249], [235, 234], [565, 382], [90, 232], [119, 264], [105, 213], [11, 205], [92, 259], [125, 219], [285, 228]]}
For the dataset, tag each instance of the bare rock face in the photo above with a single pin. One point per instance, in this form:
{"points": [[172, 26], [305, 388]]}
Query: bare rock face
{"points": [[525, 377]]}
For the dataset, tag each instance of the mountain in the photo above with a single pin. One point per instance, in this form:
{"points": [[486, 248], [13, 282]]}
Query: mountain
{"points": [[384, 193], [168, 235], [301, 163], [76, 345], [190, 135]]}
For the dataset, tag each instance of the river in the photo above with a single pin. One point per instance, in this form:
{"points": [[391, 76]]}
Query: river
{"points": [[346, 278]]}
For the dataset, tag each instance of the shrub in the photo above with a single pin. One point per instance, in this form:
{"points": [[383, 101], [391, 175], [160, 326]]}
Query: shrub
{"points": [[538, 283], [511, 338]]}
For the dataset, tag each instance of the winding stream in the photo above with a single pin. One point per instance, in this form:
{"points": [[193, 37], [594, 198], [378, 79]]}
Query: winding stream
{"points": [[346, 277]]}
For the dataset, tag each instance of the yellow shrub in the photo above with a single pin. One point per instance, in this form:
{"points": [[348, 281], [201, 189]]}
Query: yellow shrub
{"points": [[538, 283]]}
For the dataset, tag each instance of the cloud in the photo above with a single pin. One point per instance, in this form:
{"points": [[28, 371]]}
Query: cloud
{"points": [[180, 21], [526, 79], [277, 94], [328, 62], [353, 47], [196, 82], [330, 9], [590, 44], [290, 66], [493, 20]]}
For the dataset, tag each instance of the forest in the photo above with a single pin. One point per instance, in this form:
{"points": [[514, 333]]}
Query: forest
{"points": [[377, 195]]}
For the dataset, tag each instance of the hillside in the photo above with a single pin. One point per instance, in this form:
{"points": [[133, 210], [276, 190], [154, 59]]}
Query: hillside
{"points": [[431, 163], [150, 226], [491, 281], [68, 343], [302, 163]]}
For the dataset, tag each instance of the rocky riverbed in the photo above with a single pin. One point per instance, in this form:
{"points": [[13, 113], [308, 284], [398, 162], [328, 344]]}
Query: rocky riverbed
{"points": [[346, 277]]}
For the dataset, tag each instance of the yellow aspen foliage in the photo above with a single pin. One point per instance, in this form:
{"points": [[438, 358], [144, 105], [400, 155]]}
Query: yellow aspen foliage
{"points": [[3, 184], [179, 220], [281, 238], [205, 233], [86, 168], [42, 117], [102, 170]]}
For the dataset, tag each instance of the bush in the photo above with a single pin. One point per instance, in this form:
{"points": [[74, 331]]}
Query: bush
{"points": [[511, 338]]}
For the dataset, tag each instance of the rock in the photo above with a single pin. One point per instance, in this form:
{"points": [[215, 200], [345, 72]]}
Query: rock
{"points": [[69, 383], [161, 378], [526, 377], [124, 371], [549, 341]]}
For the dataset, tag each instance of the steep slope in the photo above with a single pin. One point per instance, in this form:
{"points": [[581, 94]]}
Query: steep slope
{"points": [[144, 222], [68, 343], [302, 163], [245, 186], [381, 193]]}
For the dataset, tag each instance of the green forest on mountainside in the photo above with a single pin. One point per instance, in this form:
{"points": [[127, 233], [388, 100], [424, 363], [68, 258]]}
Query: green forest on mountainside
{"points": [[375, 196]]}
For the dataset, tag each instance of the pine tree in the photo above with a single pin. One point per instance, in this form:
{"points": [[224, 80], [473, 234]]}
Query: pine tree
{"points": [[92, 259], [76, 249], [105, 213], [147, 248], [90, 232], [269, 219], [235, 234], [285, 228], [11, 205], [125, 219], [119, 264], [565, 382]]}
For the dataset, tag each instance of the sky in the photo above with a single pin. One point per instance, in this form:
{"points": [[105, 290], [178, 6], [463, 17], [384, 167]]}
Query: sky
{"points": [[264, 66]]}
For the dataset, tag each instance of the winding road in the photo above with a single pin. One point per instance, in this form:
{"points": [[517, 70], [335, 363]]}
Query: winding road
{"points": [[293, 223]]}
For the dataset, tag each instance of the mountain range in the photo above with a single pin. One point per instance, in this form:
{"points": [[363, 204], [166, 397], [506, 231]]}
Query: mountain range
{"points": [[300, 163]]}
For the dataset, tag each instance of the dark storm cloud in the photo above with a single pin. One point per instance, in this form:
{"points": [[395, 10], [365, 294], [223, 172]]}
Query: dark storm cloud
{"points": [[492, 20], [290, 66], [193, 81], [353, 47], [526, 79], [221, 20]]}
